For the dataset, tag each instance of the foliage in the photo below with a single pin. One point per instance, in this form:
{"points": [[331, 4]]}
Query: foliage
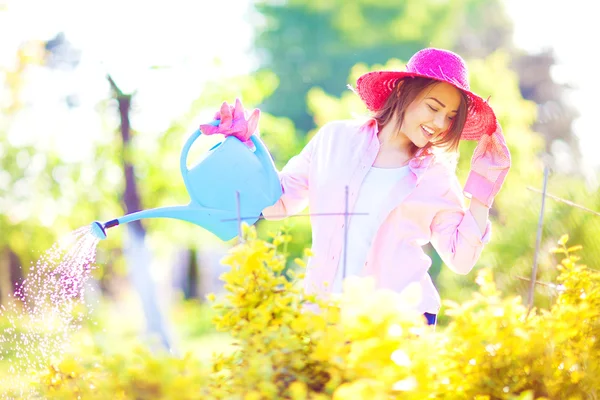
{"points": [[363, 345], [308, 43], [48, 189], [194, 317], [140, 375], [37, 187]]}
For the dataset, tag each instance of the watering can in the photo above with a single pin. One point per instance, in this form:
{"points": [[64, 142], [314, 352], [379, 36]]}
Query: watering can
{"points": [[230, 183]]}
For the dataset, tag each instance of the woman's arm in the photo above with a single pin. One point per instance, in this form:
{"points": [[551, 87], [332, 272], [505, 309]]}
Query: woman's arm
{"points": [[458, 233], [480, 213], [294, 179]]}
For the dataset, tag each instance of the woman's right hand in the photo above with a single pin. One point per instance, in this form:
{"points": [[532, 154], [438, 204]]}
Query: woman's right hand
{"points": [[234, 122]]}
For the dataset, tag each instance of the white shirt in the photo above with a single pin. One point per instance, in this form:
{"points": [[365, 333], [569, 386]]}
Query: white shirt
{"points": [[362, 228]]}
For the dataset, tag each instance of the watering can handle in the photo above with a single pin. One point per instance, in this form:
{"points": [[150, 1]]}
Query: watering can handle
{"points": [[186, 150]]}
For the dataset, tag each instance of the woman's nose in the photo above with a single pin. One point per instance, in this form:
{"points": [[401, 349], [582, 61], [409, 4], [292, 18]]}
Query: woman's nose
{"points": [[441, 122]]}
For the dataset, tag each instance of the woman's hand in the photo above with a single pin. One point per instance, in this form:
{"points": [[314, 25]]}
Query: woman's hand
{"points": [[489, 167], [234, 122]]}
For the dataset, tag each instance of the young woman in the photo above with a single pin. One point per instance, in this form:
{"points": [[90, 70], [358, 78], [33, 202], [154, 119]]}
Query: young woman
{"points": [[398, 168]]}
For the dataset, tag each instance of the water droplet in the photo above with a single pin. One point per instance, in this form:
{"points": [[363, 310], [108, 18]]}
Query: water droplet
{"points": [[41, 319]]}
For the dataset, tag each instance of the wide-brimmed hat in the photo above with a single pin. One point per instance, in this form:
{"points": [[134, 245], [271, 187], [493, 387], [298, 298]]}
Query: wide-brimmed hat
{"points": [[374, 88]]}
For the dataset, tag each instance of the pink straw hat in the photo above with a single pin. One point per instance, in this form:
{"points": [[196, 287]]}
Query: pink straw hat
{"points": [[374, 88]]}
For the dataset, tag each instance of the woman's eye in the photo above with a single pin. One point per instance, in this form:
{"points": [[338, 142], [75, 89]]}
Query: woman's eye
{"points": [[434, 109], [450, 118]]}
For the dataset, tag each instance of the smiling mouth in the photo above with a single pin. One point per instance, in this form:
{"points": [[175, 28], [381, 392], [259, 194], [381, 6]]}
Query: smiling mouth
{"points": [[427, 132]]}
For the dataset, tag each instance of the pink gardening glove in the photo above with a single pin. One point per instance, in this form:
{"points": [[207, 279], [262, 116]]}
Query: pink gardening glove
{"points": [[234, 122], [489, 166]]}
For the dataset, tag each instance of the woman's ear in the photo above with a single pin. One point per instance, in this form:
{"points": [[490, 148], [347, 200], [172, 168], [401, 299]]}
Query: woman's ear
{"points": [[399, 87]]}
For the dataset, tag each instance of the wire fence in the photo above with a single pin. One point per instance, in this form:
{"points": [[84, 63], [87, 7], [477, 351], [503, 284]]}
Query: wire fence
{"points": [[573, 221]]}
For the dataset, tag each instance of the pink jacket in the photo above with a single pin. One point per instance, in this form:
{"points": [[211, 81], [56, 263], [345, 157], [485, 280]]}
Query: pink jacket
{"points": [[432, 210]]}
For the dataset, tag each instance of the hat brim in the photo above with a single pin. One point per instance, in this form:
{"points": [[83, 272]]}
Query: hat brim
{"points": [[374, 88]]}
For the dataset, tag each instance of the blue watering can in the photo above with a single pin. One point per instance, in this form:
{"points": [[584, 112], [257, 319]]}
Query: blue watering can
{"points": [[230, 182]]}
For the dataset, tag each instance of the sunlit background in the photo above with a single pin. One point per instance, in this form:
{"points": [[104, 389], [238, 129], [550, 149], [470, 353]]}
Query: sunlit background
{"points": [[62, 157], [172, 50]]}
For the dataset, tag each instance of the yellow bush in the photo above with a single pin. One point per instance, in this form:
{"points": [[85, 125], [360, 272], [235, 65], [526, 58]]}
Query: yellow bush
{"points": [[139, 375], [362, 346]]}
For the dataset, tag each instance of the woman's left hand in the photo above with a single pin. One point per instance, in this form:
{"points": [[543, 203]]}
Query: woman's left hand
{"points": [[489, 167]]}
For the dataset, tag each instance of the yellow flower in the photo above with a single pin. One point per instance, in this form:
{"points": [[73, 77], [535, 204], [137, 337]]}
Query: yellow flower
{"points": [[253, 395], [70, 367], [361, 389], [298, 391]]}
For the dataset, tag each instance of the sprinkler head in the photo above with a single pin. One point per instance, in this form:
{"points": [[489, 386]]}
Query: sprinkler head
{"points": [[98, 230]]}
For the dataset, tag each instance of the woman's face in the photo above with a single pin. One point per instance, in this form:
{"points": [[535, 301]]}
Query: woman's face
{"points": [[431, 113]]}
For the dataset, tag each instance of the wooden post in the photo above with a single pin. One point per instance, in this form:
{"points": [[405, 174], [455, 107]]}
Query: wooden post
{"points": [[538, 243]]}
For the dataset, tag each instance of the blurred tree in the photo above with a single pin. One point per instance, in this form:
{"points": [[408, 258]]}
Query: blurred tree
{"points": [[555, 115], [16, 172], [61, 54], [42, 195], [308, 43], [315, 43], [487, 28], [136, 251]]}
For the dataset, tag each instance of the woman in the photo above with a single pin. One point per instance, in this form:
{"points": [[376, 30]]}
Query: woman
{"points": [[398, 168]]}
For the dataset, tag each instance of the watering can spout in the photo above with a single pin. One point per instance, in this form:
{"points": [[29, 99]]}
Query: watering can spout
{"points": [[222, 223]]}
